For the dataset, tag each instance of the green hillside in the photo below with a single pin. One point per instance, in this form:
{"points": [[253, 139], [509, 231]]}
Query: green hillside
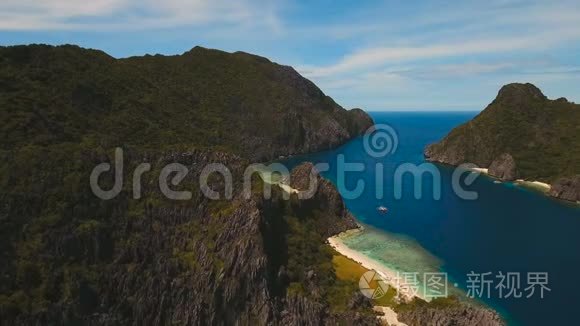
{"points": [[542, 135], [204, 98]]}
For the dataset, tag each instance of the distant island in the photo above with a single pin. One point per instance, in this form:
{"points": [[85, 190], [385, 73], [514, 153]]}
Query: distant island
{"points": [[521, 135]]}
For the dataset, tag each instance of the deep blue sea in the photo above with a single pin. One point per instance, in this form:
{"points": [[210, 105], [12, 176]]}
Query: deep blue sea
{"points": [[509, 228]]}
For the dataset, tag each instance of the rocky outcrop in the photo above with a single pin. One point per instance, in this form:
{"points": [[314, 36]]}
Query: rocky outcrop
{"points": [[536, 132], [518, 93], [325, 198], [504, 168], [566, 189], [464, 315]]}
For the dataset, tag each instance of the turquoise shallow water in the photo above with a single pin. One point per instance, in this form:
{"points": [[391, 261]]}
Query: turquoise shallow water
{"points": [[397, 252], [507, 229]]}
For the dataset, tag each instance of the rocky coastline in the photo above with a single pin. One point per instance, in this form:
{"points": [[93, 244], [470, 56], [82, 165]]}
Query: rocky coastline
{"points": [[515, 137]]}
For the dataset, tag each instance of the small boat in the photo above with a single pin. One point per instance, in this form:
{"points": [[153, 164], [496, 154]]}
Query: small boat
{"points": [[382, 209], [497, 182]]}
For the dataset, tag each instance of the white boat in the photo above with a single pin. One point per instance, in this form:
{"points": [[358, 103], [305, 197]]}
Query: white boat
{"points": [[382, 209]]}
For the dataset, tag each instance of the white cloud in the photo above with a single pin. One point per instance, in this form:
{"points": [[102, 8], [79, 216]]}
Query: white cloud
{"points": [[460, 70], [132, 14], [379, 56], [52, 14], [60, 8]]}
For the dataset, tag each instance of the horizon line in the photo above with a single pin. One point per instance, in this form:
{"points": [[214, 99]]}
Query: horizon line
{"points": [[424, 110]]}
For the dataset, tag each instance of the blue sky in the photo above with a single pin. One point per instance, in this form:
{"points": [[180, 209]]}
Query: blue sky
{"points": [[377, 55]]}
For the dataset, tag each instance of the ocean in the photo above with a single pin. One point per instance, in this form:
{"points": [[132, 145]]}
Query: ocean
{"points": [[507, 229]]}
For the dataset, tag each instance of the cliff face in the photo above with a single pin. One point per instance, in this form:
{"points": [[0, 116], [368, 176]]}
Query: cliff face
{"points": [[521, 133], [567, 189], [158, 262]]}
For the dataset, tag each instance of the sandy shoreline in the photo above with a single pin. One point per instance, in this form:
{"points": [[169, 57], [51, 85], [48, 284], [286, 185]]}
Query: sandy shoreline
{"points": [[534, 184], [391, 277], [542, 186], [480, 170]]}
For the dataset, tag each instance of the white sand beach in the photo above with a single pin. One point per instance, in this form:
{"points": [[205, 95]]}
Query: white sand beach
{"points": [[391, 277], [541, 186], [479, 170]]}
